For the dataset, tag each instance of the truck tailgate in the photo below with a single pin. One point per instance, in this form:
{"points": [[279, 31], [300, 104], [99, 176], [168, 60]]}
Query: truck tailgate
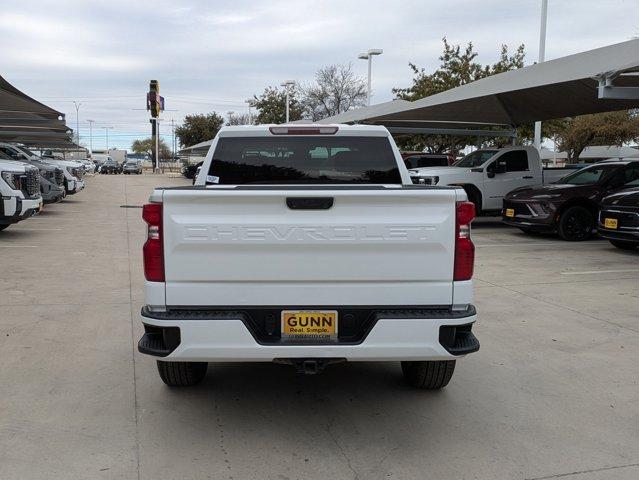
{"points": [[245, 246]]}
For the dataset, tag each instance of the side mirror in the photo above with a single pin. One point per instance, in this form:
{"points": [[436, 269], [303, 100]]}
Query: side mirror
{"points": [[500, 167], [490, 174]]}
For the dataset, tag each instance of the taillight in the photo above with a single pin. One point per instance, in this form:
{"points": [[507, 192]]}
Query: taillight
{"points": [[464, 247], [153, 249]]}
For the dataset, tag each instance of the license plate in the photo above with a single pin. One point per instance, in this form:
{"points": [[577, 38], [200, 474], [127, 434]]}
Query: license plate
{"points": [[309, 323], [510, 212], [610, 222]]}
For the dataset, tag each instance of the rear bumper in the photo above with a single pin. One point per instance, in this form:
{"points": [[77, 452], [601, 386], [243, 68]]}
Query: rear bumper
{"points": [[625, 236], [627, 224], [394, 336]]}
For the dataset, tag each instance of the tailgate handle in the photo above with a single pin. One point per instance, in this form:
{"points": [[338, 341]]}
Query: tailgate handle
{"points": [[309, 203]]}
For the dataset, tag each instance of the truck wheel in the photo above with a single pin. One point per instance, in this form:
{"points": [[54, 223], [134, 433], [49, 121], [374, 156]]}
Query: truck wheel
{"points": [[182, 374], [617, 243], [428, 375], [576, 224]]}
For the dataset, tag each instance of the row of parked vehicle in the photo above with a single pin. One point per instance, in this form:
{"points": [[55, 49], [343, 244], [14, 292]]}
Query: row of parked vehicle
{"points": [[111, 167], [28, 181], [575, 201]]}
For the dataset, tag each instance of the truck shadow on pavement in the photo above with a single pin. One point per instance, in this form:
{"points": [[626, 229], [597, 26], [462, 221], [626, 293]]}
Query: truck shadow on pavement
{"points": [[364, 404]]}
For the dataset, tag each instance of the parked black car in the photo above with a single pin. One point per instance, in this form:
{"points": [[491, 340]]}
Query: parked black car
{"points": [[619, 218], [570, 206], [110, 166]]}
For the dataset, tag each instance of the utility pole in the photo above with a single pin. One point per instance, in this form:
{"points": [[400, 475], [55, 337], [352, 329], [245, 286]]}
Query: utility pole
{"points": [[230, 116], [249, 102], [173, 145], [542, 58], [91, 135], [106, 130], [77, 122]]}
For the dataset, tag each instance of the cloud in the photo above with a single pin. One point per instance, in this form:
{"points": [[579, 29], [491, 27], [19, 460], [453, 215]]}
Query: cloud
{"points": [[213, 55]]}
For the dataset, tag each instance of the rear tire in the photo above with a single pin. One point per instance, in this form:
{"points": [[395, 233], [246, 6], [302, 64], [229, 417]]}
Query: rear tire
{"points": [[182, 374], [624, 245], [428, 375], [576, 224], [475, 198]]}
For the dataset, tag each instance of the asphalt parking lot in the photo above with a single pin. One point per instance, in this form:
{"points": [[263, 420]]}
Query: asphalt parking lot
{"points": [[553, 392]]}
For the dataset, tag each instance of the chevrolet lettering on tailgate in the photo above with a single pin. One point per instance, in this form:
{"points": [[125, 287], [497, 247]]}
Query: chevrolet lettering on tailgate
{"points": [[255, 233]]}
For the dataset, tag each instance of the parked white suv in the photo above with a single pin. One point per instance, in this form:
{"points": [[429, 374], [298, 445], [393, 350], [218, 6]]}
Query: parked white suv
{"points": [[308, 245]]}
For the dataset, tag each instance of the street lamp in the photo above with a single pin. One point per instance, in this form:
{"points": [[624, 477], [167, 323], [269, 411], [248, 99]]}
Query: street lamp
{"points": [[286, 84], [230, 116], [369, 56], [77, 122], [542, 58], [90, 135], [106, 130], [249, 102]]}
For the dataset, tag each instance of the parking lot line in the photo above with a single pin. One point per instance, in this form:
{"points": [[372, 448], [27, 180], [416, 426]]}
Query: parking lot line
{"points": [[40, 229], [18, 246], [590, 272]]}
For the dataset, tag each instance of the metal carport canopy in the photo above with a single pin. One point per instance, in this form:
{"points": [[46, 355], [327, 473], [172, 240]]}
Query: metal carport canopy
{"points": [[25, 120], [568, 86]]}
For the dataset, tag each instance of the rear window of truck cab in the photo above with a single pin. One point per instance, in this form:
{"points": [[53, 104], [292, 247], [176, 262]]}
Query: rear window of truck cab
{"points": [[309, 159]]}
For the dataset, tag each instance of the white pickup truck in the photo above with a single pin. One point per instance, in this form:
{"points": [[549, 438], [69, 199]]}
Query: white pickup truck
{"points": [[308, 245], [488, 175], [20, 192]]}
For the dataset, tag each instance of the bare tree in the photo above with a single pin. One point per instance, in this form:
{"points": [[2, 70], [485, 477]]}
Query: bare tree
{"points": [[239, 119], [336, 89]]}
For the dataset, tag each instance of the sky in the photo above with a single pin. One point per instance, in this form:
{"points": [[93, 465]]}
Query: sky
{"points": [[213, 55]]}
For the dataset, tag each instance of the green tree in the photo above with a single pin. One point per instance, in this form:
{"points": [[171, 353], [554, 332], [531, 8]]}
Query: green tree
{"points": [[146, 146], [336, 90], [458, 67], [609, 128], [271, 106], [198, 128]]}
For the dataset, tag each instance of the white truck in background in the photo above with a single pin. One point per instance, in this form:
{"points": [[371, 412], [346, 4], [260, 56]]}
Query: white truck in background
{"points": [[308, 245], [488, 174], [19, 192], [72, 170]]}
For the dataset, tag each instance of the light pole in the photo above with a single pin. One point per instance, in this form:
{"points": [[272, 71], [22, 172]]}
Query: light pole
{"points": [[90, 135], [542, 58], [230, 116], [249, 102], [286, 84], [77, 122], [106, 130], [369, 56]]}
